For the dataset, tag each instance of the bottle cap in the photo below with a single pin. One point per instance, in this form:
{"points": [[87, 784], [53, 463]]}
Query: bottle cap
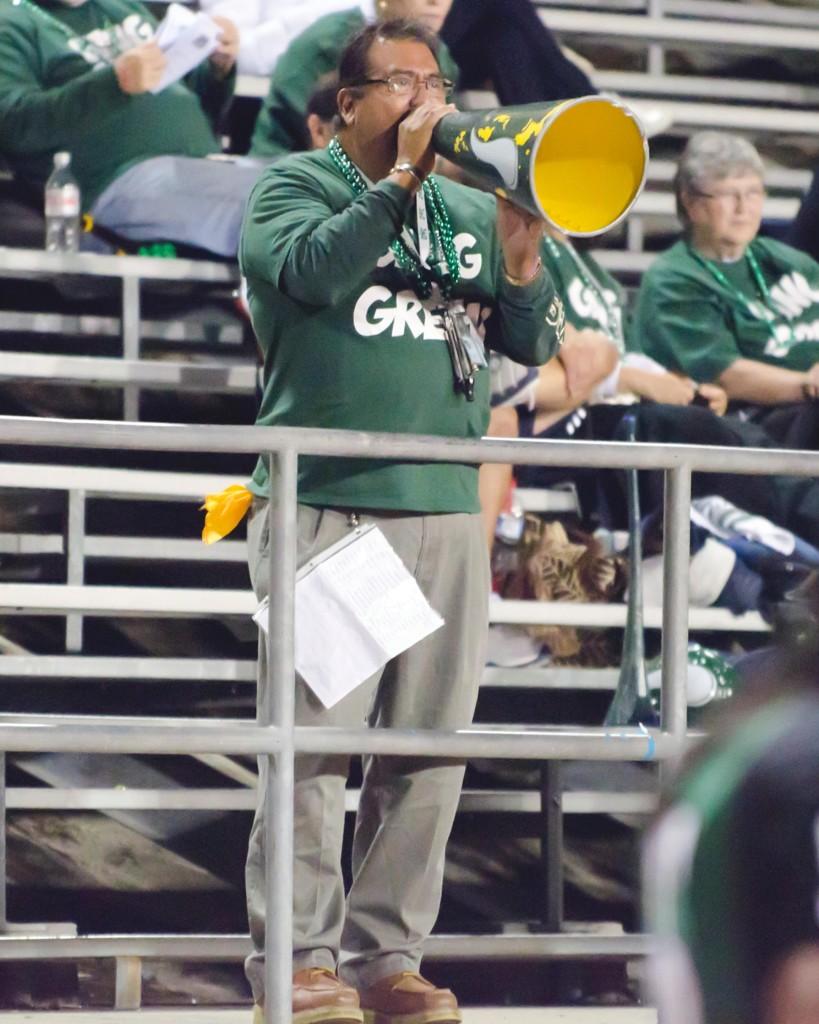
{"points": [[62, 159]]}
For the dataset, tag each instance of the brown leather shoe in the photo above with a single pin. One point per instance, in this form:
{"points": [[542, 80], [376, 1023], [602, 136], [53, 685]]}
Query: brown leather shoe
{"points": [[320, 997], [407, 998]]}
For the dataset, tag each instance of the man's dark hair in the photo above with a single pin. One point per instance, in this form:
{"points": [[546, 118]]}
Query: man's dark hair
{"points": [[322, 100], [353, 65]]}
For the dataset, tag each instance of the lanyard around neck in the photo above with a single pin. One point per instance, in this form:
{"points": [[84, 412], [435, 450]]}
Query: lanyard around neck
{"points": [[781, 335], [756, 272]]}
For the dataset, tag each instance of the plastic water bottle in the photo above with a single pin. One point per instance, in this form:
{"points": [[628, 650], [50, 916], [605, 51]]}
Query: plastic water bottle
{"points": [[62, 207], [510, 525]]}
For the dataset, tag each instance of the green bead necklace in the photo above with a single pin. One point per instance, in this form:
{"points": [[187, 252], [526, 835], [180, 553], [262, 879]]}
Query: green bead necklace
{"points": [[444, 266]]}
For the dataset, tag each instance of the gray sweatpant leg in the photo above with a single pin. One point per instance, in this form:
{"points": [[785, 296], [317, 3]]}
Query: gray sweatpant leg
{"points": [[183, 199], [407, 804]]}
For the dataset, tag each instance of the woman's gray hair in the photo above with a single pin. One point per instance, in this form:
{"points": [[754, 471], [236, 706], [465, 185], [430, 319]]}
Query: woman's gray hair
{"points": [[708, 157]]}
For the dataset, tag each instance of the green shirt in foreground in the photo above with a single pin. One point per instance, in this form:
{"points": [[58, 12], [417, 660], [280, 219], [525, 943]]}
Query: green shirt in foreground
{"points": [[732, 867], [58, 91], [280, 126], [348, 345], [689, 321]]}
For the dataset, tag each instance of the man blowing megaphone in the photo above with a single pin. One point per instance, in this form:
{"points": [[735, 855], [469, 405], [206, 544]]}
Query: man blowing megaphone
{"points": [[376, 290]]}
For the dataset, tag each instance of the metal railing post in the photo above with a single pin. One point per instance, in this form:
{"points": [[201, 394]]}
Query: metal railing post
{"points": [[551, 845], [277, 708], [3, 866], [130, 342], [676, 550], [75, 563], [656, 51]]}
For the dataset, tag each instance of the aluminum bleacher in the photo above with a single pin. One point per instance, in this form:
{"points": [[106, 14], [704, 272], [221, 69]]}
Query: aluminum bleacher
{"points": [[134, 374], [643, 29], [765, 109], [66, 733], [717, 10], [132, 371], [75, 597]]}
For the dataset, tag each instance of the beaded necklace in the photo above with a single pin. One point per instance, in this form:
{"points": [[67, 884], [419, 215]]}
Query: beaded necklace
{"points": [[444, 266], [83, 43], [614, 318]]}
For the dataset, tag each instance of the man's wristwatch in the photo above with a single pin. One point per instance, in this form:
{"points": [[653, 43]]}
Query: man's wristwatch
{"points": [[408, 168]]}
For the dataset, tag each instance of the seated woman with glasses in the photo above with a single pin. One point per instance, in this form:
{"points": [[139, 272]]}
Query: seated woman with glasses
{"points": [[726, 306], [669, 408]]}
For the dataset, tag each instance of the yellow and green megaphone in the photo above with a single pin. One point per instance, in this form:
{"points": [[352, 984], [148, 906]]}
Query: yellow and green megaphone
{"points": [[579, 164]]}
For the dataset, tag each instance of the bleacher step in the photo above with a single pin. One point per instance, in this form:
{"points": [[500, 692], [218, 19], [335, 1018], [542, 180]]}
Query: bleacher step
{"points": [[154, 374], [241, 1015], [116, 601]]}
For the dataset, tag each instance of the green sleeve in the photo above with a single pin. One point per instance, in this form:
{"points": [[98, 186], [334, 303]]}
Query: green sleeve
{"points": [[293, 239], [447, 64], [34, 119], [788, 257], [683, 326], [527, 324]]}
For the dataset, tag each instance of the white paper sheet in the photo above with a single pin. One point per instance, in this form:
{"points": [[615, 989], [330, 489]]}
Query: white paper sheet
{"points": [[186, 38], [357, 607]]}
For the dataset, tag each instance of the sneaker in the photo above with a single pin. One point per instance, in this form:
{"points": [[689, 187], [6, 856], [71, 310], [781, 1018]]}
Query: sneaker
{"points": [[511, 646], [407, 998], [320, 997]]}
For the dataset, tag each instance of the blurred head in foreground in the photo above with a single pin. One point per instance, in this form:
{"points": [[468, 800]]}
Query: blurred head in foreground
{"points": [[731, 866]]}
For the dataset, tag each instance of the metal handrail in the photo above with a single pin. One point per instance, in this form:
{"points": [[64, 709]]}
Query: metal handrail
{"points": [[275, 735], [249, 440]]}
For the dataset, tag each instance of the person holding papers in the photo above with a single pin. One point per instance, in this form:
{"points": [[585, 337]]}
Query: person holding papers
{"points": [[374, 287], [89, 76]]}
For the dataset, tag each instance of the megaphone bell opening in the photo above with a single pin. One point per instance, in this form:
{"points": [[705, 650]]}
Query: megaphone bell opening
{"points": [[588, 165]]}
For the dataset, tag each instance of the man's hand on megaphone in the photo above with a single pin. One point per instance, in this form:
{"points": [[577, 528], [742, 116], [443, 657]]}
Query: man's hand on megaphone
{"points": [[520, 234], [415, 135]]}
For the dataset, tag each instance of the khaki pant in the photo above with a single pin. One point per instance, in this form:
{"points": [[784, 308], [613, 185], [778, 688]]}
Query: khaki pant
{"points": [[407, 804]]}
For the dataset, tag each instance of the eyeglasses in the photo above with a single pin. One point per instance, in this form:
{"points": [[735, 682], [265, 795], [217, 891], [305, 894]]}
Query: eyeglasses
{"points": [[733, 196], [405, 83]]}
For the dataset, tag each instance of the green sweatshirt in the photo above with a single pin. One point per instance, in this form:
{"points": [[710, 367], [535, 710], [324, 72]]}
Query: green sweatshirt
{"points": [[689, 321], [280, 125], [732, 867], [348, 345], [58, 91], [591, 296]]}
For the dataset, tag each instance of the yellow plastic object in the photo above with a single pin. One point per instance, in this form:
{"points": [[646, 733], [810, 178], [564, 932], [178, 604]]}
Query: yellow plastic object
{"points": [[588, 166], [224, 511], [579, 164]]}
